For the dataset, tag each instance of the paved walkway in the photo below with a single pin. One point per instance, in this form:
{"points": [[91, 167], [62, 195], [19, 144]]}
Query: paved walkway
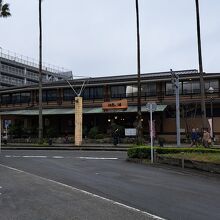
{"points": [[87, 146]]}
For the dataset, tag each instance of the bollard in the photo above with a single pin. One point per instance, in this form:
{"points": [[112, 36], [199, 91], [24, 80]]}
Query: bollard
{"points": [[155, 155], [182, 160]]}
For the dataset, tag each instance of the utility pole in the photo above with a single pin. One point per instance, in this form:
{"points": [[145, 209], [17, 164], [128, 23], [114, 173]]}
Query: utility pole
{"points": [[139, 122], [202, 84], [175, 82]]}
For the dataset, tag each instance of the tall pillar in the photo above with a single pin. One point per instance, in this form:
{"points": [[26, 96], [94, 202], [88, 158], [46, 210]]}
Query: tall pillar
{"points": [[0, 133], [78, 121]]}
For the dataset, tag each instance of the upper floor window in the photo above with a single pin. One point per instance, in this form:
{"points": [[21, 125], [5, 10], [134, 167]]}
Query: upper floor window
{"points": [[117, 91], [5, 99], [96, 92], [131, 90], [149, 89], [191, 87], [51, 95], [69, 94], [170, 89], [212, 83], [25, 97], [16, 98]]}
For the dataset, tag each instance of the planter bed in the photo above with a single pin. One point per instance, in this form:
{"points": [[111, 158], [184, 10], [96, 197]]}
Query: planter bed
{"points": [[200, 165]]}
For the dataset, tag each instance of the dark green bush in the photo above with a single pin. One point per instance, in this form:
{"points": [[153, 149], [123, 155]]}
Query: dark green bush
{"points": [[99, 136], [93, 132], [51, 132], [145, 152]]}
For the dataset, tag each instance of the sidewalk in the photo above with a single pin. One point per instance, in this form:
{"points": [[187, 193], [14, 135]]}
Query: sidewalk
{"points": [[100, 147], [86, 146]]}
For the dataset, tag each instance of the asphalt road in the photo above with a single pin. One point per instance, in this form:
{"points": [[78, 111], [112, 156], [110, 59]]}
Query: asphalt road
{"points": [[166, 192]]}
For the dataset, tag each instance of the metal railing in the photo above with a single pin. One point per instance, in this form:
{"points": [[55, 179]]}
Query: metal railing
{"points": [[11, 80], [12, 56], [12, 70]]}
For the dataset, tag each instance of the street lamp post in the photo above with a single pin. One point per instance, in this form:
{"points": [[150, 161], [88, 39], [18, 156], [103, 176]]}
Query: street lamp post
{"points": [[211, 91]]}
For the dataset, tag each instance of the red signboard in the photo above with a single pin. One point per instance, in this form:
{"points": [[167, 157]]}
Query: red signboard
{"points": [[120, 104]]}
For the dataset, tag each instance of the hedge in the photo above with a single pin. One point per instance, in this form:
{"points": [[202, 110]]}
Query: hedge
{"points": [[145, 152]]}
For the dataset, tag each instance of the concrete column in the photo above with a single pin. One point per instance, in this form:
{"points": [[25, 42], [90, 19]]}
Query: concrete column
{"points": [[78, 121], [0, 133], [25, 76]]}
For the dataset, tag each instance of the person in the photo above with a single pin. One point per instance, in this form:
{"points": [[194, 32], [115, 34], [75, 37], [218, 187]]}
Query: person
{"points": [[115, 137], [5, 139], [206, 138], [198, 138], [193, 137]]}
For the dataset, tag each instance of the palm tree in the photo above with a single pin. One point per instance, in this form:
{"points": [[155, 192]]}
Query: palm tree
{"points": [[139, 123], [40, 134], [4, 10], [201, 73]]}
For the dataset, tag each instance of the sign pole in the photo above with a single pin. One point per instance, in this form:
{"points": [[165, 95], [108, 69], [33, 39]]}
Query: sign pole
{"points": [[151, 107], [151, 135]]}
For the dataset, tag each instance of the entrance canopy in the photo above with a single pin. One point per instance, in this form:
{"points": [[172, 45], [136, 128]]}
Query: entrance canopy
{"points": [[70, 111]]}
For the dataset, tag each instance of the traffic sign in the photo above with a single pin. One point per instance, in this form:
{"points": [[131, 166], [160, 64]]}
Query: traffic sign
{"points": [[151, 106]]}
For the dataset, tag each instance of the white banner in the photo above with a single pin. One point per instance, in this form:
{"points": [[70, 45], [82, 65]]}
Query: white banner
{"points": [[210, 124]]}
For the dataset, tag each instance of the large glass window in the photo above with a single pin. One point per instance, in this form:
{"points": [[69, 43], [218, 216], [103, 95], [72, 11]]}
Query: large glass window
{"points": [[86, 93], [212, 83], [16, 98], [190, 87], [68, 95], [131, 90], [44, 96], [170, 90], [96, 93], [187, 87], [149, 89], [5, 99], [195, 87], [52, 95], [25, 97], [118, 91]]}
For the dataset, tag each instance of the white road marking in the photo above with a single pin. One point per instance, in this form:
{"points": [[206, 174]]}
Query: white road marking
{"points": [[57, 157], [155, 217], [34, 156], [98, 158], [25, 156]]}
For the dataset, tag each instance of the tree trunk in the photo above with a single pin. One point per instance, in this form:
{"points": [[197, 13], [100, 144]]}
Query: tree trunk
{"points": [[139, 122], [40, 134]]}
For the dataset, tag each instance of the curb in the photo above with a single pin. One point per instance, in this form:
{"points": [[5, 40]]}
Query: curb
{"points": [[72, 148]]}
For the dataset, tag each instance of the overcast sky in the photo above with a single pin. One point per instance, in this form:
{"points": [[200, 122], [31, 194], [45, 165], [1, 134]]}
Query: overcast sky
{"points": [[98, 37]]}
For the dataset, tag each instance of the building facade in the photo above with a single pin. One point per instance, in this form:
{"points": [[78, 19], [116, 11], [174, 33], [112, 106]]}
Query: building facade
{"points": [[20, 105], [17, 70]]}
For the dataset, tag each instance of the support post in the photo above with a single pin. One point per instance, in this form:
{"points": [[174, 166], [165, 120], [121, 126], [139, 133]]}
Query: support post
{"points": [[0, 133], [175, 82], [78, 121]]}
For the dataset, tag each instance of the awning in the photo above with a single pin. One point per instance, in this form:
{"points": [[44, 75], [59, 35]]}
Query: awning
{"points": [[69, 111]]}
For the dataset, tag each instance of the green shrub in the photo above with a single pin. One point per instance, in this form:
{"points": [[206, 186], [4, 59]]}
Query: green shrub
{"points": [[93, 132], [145, 152], [51, 132], [99, 136]]}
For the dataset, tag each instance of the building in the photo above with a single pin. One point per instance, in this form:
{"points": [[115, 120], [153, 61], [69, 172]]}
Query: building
{"points": [[119, 93], [18, 70]]}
